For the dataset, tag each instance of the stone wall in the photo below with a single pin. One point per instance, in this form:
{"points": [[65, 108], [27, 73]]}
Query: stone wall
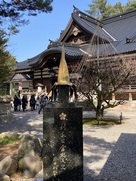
{"points": [[129, 106]]}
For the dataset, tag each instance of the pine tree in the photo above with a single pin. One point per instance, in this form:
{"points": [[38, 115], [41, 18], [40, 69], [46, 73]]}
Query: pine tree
{"points": [[7, 63], [101, 9]]}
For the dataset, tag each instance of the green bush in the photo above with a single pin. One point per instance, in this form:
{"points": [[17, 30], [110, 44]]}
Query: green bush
{"points": [[104, 121], [7, 140], [4, 89]]}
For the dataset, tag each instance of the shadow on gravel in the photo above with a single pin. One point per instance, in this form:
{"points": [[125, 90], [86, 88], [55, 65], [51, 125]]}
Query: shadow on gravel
{"points": [[121, 164], [97, 147], [28, 121]]}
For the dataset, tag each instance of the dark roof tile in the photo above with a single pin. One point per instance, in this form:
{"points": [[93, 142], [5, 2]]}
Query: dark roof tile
{"points": [[71, 51], [22, 65]]}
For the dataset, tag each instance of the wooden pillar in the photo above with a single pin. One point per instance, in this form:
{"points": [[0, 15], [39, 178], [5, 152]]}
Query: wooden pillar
{"points": [[130, 94], [113, 97]]}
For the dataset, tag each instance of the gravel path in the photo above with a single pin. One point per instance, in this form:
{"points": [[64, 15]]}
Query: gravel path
{"points": [[109, 151], [25, 122]]}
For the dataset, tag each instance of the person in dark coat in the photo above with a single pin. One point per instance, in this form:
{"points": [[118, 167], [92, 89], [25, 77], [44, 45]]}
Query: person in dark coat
{"points": [[24, 103], [19, 104], [43, 102], [37, 102], [15, 103], [32, 102]]}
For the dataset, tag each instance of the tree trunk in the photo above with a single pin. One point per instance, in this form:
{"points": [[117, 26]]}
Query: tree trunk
{"points": [[98, 116], [99, 109]]}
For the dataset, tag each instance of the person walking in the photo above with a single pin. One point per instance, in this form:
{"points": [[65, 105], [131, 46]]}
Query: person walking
{"points": [[15, 103], [43, 102], [19, 103], [32, 102], [37, 102], [24, 103]]}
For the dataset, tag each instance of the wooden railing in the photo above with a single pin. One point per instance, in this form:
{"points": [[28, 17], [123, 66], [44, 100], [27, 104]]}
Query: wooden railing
{"points": [[126, 88]]}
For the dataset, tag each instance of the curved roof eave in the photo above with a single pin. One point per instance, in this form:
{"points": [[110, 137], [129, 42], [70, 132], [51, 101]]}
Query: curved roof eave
{"points": [[23, 65], [71, 51]]}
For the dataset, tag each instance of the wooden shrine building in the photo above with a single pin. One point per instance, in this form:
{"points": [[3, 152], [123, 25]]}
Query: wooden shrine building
{"points": [[120, 30]]}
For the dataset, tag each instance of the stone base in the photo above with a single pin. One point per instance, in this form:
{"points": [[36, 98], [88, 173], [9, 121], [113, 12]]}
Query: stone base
{"points": [[62, 144]]}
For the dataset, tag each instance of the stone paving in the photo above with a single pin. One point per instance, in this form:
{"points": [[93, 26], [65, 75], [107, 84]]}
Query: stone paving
{"points": [[100, 143]]}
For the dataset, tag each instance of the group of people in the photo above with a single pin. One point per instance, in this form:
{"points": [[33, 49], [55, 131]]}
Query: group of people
{"points": [[18, 102], [38, 102]]}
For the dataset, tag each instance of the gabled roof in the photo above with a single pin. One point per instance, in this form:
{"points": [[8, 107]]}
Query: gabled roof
{"points": [[22, 77], [119, 30], [86, 23]]}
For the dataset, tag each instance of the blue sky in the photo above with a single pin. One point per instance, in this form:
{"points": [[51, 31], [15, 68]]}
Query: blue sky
{"points": [[34, 37]]}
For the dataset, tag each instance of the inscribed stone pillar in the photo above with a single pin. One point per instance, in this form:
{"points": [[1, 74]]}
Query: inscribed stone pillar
{"points": [[63, 144]]}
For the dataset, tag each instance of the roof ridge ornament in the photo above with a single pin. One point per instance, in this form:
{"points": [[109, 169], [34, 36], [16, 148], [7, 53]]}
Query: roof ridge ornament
{"points": [[75, 9]]}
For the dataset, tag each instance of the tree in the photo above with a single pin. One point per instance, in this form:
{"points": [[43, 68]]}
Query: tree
{"points": [[103, 73], [101, 79], [16, 8], [97, 8], [130, 5], [7, 63], [110, 10], [12, 12], [100, 9]]}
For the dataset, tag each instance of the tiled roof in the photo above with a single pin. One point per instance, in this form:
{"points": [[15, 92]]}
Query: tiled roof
{"points": [[119, 30], [123, 28], [23, 65], [91, 25], [70, 51], [23, 77]]}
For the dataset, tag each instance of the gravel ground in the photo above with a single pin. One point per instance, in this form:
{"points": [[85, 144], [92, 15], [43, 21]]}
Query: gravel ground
{"points": [[109, 151], [25, 122]]}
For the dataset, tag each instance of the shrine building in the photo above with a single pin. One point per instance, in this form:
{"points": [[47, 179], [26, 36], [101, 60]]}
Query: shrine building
{"points": [[42, 70]]}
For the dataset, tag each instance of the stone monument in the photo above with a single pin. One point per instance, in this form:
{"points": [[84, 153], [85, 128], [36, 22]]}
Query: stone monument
{"points": [[62, 132]]}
